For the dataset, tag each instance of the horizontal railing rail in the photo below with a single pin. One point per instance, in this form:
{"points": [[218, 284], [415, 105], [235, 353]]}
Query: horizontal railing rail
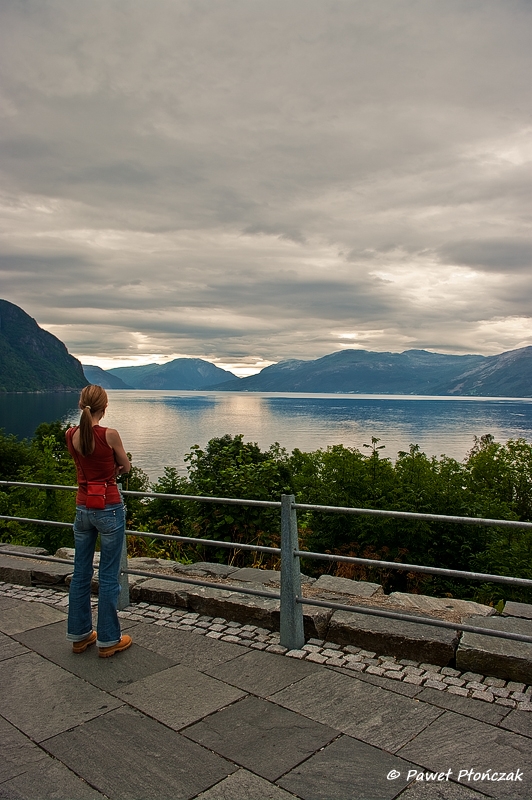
{"points": [[376, 512], [372, 512], [290, 596], [401, 566], [152, 535], [237, 501]]}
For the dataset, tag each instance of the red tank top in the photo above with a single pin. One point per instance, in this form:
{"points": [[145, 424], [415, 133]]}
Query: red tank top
{"points": [[98, 466]]}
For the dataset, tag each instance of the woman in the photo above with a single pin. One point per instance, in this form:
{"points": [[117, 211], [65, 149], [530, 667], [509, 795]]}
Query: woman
{"points": [[100, 457]]}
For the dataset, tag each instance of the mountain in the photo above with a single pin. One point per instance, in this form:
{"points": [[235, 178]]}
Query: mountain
{"points": [[508, 374], [31, 359], [412, 372], [181, 373], [102, 378]]}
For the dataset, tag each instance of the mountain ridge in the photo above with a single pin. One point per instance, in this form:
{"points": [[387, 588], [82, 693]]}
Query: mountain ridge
{"points": [[419, 372], [181, 373], [101, 377]]}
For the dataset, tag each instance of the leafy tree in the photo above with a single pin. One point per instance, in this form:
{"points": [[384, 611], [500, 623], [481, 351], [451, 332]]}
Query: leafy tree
{"points": [[48, 462], [230, 467], [168, 517], [14, 454], [342, 476]]}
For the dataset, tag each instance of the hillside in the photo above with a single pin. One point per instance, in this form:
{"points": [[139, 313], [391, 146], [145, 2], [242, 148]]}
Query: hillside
{"points": [[31, 359], [181, 373], [508, 374], [100, 377], [413, 372]]}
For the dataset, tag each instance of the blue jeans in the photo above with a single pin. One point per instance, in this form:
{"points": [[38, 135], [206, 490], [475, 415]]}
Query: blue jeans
{"points": [[110, 523]]}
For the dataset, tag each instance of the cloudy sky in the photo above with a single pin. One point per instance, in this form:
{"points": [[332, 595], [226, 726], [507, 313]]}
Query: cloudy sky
{"points": [[248, 181]]}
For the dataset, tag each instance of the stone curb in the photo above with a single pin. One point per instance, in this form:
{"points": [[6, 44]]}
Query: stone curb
{"points": [[504, 659]]}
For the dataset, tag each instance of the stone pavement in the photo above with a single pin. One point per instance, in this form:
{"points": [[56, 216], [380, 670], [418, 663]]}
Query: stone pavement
{"points": [[185, 715]]}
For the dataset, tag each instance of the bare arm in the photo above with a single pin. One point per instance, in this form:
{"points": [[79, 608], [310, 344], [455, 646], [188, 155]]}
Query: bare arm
{"points": [[122, 461]]}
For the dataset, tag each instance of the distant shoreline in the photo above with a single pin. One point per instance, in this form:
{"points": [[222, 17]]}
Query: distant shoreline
{"points": [[288, 393]]}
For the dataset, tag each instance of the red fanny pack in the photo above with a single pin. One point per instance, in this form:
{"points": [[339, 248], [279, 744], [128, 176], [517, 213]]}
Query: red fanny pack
{"points": [[102, 493], [96, 495]]}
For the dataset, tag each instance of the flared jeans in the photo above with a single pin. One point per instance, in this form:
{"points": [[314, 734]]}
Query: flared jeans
{"points": [[109, 523]]}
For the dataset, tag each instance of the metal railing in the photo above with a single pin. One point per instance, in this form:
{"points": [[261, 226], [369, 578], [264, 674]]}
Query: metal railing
{"points": [[290, 596]]}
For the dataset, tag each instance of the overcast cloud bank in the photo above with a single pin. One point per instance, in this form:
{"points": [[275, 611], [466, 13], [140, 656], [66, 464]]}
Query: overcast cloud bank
{"points": [[250, 182]]}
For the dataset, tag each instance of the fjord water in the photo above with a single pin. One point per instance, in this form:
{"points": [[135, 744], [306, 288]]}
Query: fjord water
{"points": [[159, 427]]}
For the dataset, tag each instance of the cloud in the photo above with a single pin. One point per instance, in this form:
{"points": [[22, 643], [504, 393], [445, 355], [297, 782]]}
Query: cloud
{"points": [[499, 255], [249, 181]]}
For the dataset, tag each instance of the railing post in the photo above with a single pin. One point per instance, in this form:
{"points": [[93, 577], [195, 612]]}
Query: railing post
{"points": [[292, 634], [123, 597]]}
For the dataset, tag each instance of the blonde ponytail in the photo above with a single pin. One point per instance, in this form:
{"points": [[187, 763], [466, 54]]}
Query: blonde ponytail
{"points": [[93, 399]]}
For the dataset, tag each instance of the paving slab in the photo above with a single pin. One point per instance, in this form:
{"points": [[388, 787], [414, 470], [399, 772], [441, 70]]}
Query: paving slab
{"points": [[15, 570], [261, 736], [128, 756], [179, 646], [359, 709], [49, 779], [179, 696], [18, 752], [316, 621], [157, 590], [245, 608], [8, 602], [459, 743], [424, 603], [143, 562], [105, 673], [485, 712], [329, 583], [423, 790], [41, 699], [359, 770], [202, 568], [244, 785], [412, 640], [406, 689], [512, 609], [24, 616], [262, 673], [519, 722], [502, 658], [50, 573], [10, 648], [256, 575], [8, 547]]}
